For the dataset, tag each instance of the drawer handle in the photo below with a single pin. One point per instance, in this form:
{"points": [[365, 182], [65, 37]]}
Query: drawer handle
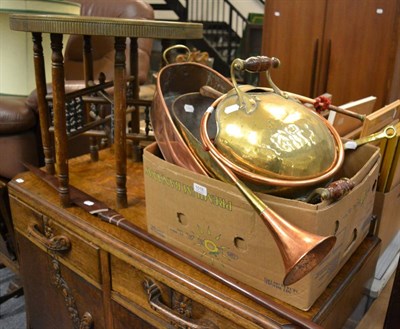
{"points": [[56, 243], [154, 298]]}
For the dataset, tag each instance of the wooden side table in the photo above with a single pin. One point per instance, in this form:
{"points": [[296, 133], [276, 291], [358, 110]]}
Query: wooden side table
{"points": [[119, 28]]}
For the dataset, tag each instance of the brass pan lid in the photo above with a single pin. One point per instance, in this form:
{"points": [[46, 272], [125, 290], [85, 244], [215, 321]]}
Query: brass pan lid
{"points": [[280, 138]]}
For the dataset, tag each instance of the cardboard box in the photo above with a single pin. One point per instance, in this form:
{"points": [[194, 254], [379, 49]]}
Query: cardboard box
{"points": [[212, 221]]}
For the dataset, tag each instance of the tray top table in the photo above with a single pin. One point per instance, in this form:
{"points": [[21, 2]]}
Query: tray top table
{"points": [[120, 29]]}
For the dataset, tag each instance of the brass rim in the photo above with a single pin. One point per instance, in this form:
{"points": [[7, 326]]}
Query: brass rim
{"points": [[286, 182]]}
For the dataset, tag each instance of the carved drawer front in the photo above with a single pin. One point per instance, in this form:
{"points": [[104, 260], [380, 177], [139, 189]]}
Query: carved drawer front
{"points": [[49, 235], [130, 285]]}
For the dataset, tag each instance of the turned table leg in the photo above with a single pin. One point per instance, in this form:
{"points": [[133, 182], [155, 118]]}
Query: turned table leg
{"points": [[120, 121], [89, 76], [60, 132], [134, 94], [43, 108]]}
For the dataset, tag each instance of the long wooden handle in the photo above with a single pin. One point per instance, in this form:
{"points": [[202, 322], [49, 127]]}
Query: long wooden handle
{"points": [[256, 64]]}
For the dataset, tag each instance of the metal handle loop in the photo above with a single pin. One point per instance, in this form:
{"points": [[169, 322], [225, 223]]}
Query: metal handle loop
{"points": [[166, 51]]}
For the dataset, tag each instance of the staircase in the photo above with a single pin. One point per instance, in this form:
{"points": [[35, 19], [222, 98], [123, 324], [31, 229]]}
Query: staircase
{"points": [[223, 26]]}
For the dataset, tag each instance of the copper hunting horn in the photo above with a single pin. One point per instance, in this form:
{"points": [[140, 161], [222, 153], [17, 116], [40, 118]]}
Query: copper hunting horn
{"points": [[301, 250], [292, 243]]}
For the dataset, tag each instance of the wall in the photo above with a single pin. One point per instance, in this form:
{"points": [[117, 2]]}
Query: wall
{"points": [[16, 49]]}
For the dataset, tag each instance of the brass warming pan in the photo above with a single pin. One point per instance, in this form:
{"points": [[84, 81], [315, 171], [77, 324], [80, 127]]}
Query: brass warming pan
{"points": [[267, 137]]}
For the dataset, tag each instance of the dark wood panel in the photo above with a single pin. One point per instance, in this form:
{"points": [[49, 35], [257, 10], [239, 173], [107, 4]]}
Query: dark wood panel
{"points": [[292, 32], [362, 49], [335, 46]]}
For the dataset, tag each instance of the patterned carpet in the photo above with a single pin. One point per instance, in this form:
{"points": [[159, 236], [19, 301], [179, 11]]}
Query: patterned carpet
{"points": [[12, 311]]}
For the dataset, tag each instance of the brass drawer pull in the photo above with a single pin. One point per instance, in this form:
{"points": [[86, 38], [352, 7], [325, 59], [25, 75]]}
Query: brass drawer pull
{"points": [[56, 243], [154, 298]]}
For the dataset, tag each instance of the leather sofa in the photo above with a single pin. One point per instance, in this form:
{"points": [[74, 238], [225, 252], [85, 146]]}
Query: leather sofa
{"points": [[19, 136]]}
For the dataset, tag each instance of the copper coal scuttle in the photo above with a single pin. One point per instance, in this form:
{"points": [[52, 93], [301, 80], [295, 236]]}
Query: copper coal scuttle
{"points": [[260, 139]]}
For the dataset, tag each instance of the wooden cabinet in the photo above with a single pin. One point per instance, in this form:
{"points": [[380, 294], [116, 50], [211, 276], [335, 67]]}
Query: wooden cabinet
{"points": [[80, 273], [348, 49], [61, 273], [56, 296]]}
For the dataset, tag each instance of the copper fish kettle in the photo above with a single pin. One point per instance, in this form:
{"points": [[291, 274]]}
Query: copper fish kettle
{"points": [[174, 80]]}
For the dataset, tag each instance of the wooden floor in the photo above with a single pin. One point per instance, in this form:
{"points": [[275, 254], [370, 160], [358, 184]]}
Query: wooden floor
{"points": [[375, 316]]}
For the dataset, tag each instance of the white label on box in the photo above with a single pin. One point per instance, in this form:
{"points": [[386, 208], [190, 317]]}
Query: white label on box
{"points": [[200, 189]]}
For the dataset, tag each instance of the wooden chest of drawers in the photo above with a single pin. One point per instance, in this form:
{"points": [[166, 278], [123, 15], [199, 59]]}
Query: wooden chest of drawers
{"points": [[79, 272]]}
